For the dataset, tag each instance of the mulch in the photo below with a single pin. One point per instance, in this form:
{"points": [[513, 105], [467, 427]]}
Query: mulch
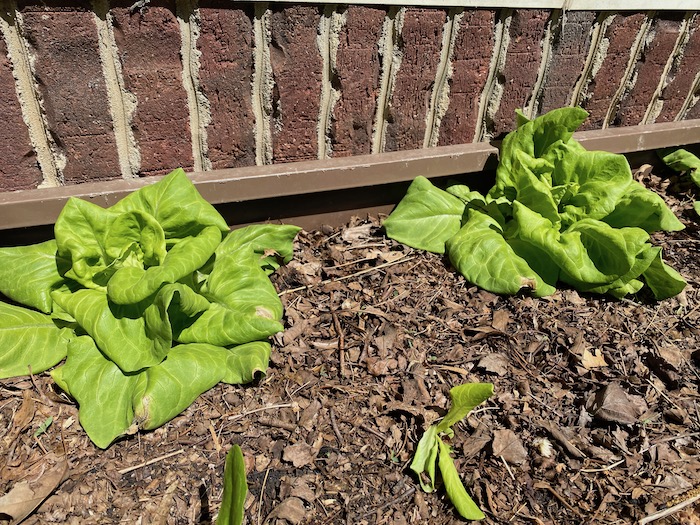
{"points": [[595, 416]]}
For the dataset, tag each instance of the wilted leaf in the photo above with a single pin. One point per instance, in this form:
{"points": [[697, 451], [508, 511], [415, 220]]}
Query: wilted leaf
{"points": [[26, 496], [613, 404]]}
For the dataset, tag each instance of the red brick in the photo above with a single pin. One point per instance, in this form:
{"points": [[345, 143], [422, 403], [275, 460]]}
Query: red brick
{"points": [[18, 165], [569, 53], [72, 86], [225, 75], [682, 76], [470, 68], [149, 50], [357, 77], [522, 63], [296, 68], [410, 101], [693, 112], [621, 35], [648, 72]]}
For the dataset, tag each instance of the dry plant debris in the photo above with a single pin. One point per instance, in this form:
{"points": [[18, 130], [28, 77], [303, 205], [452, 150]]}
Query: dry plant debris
{"points": [[595, 416]]}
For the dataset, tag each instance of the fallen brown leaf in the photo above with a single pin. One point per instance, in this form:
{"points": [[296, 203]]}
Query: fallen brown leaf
{"points": [[509, 446]]}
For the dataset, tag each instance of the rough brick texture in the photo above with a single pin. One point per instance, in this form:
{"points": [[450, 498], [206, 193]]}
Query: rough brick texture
{"points": [[18, 165], [520, 71], [296, 68], [569, 52], [226, 70], [357, 77], [470, 68], [621, 35], [148, 43], [410, 101], [650, 67], [72, 86], [682, 76]]}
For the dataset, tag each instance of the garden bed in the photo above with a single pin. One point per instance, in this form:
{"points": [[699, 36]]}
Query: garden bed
{"points": [[595, 416]]}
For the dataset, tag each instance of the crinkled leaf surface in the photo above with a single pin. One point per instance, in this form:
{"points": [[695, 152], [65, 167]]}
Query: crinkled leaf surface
{"points": [[172, 386], [176, 205], [131, 285], [481, 253], [245, 306], [244, 362], [28, 274], [426, 217], [453, 486], [29, 339], [121, 332], [101, 389], [135, 238], [644, 209], [272, 243]]}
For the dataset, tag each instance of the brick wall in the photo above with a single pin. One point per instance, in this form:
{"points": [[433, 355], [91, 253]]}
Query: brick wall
{"points": [[98, 90]]}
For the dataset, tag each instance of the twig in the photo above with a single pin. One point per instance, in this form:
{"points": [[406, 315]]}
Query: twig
{"points": [[345, 277], [671, 510], [341, 345], [262, 491], [603, 469], [151, 461], [505, 463], [277, 424], [269, 407], [336, 430], [398, 498]]}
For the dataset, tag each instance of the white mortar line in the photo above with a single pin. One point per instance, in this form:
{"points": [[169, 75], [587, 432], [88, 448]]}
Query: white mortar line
{"points": [[597, 51], [490, 98], [50, 162], [629, 78], [391, 61], [328, 40], [440, 97], [200, 115], [691, 99], [122, 103], [656, 103], [262, 85], [556, 22]]}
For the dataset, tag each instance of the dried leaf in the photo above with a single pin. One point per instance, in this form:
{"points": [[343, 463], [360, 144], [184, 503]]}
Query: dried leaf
{"points": [[26, 496], [501, 318], [613, 404], [495, 363], [291, 509], [25, 414], [593, 360], [509, 446]]}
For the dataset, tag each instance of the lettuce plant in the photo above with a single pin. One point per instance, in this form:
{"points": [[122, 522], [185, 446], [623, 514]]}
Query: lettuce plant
{"points": [[557, 212], [235, 489], [151, 302], [431, 449], [683, 161]]}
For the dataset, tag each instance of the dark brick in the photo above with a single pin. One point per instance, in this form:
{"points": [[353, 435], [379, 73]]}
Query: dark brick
{"points": [[410, 101], [569, 53], [357, 77], [226, 71], [621, 35], [648, 72], [470, 68], [72, 86], [521, 66], [18, 165], [149, 50], [296, 67], [681, 77]]}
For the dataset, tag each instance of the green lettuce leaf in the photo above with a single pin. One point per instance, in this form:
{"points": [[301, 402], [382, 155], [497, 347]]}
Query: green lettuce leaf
{"points": [[464, 399], [663, 280], [453, 486], [425, 457], [28, 274], [426, 217], [244, 362], [235, 489], [245, 306], [101, 389], [644, 209], [682, 160], [272, 243], [29, 339]]}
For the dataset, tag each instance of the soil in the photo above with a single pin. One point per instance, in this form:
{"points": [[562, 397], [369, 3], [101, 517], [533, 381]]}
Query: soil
{"points": [[595, 416]]}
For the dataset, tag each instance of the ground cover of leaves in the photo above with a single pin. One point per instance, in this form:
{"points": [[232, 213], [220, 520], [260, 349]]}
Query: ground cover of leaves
{"points": [[595, 416]]}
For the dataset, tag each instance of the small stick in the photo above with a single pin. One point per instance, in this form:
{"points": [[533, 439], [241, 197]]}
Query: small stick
{"points": [[670, 510], [151, 461], [336, 430], [277, 424], [341, 345]]}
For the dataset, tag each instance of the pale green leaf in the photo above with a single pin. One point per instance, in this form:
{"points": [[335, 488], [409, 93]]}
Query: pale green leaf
{"points": [[103, 392], [663, 280], [644, 209], [29, 339], [28, 274], [464, 398], [235, 489], [244, 362], [272, 243], [424, 459], [682, 160], [454, 487], [426, 217]]}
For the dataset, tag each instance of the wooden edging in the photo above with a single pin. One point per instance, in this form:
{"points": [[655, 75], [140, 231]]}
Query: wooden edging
{"points": [[313, 192]]}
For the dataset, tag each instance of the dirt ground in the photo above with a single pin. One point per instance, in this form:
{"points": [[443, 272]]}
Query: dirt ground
{"points": [[595, 416]]}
